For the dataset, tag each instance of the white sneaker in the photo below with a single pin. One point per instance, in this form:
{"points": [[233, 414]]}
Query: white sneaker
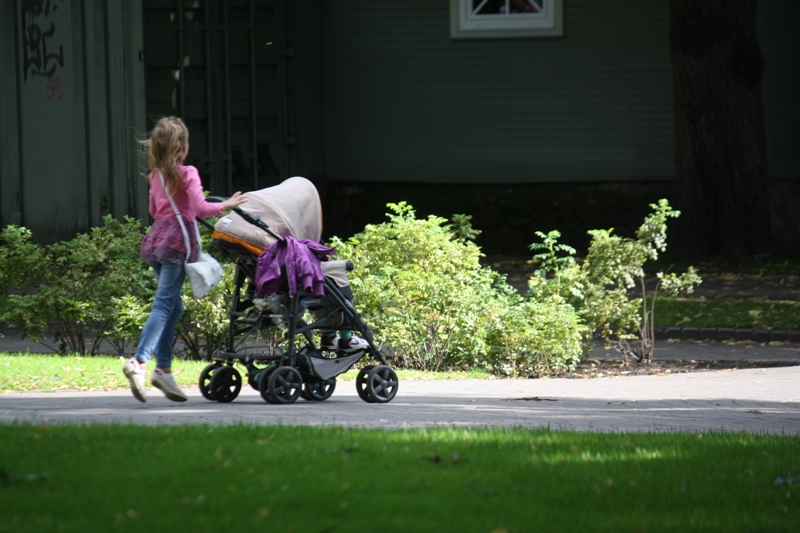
{"points": [[329, 343], [353, 344], [166, 382], [135, 373]]}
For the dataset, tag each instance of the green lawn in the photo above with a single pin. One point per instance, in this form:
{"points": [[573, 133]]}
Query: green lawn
{"points": [[727, 313], [243, 478], [46, 372]]}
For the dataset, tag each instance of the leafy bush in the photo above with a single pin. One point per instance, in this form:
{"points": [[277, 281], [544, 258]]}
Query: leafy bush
{"points": [[600, 287], [420, 286], [203, 328], [80, 284], [20, 260], [94, 288], [534, 337], [131, 314]]}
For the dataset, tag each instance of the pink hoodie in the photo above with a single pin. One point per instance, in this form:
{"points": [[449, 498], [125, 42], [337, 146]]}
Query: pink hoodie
{"points": [[190, 199], [165, 242]]}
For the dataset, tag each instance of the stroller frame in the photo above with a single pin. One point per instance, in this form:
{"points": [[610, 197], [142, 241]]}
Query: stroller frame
{"points": [[301, 369]]}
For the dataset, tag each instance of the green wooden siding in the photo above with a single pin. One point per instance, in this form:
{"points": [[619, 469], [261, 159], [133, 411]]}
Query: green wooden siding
{"points": [[245, 74], [351, 90], [72, 101], [404, 102]]}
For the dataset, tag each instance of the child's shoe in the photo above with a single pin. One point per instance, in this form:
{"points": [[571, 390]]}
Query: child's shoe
{"points": [[329, 342], [135, 373], [166, 382], [353, 344]]}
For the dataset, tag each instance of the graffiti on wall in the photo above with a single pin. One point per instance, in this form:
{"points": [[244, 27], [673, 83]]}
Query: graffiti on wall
{"points": [[43, 55]]}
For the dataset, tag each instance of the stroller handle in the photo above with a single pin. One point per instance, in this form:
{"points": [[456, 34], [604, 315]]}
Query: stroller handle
{"points": [[252, 219]]}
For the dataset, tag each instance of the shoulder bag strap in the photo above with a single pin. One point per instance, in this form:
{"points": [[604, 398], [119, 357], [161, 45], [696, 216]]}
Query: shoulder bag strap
{"points": [[186, 242]]}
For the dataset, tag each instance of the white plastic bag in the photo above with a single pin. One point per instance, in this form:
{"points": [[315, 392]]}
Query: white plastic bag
{"points": [[204, 274]]}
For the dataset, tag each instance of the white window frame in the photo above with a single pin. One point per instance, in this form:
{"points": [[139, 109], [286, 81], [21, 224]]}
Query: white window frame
{"points": [[465, 25]]}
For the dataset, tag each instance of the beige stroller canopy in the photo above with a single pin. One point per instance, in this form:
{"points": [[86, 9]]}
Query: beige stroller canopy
{"points": [[291, 208]]}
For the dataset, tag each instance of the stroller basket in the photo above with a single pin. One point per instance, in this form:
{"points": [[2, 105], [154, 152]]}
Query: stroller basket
{"points": [[269, 334]]}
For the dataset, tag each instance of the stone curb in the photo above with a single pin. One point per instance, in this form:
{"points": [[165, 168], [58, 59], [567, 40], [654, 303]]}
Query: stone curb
{"points": [[662, 333]]}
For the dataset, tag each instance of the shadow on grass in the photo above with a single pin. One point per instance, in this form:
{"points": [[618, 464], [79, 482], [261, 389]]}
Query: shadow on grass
{"points": [[280, 478]]}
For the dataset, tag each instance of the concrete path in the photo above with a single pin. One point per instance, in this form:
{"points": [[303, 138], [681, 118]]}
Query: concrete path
{"points": [[755, 400], [763, 400]]}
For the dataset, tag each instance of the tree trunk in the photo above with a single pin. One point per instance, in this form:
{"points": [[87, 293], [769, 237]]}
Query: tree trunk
{"points": [[721, 159]]}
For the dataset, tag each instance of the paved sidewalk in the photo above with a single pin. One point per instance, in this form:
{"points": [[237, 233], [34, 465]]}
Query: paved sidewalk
{"points": [[755, 400], [763, 400]]}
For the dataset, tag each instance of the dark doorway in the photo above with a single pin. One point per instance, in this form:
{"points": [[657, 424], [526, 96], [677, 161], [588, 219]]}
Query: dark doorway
{"points": [[221, 66]]}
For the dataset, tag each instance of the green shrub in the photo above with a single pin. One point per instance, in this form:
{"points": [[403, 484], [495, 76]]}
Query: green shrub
{"points": [[20, 261], [203, 328], [600, 288], [95, 287], [420, 289], [80, 284], [535, 337], [420, 286]]}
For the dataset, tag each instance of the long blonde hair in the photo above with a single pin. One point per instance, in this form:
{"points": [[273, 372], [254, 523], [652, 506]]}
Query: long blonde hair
{"points": [[165, 146]]}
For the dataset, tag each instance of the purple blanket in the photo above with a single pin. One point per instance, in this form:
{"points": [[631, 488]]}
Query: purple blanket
{"points": [[295, 262]]}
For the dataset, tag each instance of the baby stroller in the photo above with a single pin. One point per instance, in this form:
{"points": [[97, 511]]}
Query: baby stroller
{"points": [[269, 334]]}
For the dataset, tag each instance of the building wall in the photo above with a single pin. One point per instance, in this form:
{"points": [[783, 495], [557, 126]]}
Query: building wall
{"points": [[570, 133], [72, 101], [82, 80], [404, 102], [244, 76], [374, 102], [219, 65]]}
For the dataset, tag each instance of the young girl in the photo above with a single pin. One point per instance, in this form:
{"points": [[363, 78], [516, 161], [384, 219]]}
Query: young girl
{"points": [[164, 249]]}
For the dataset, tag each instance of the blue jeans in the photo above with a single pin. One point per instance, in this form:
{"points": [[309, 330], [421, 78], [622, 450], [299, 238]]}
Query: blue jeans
{"points": [[158, 333]]}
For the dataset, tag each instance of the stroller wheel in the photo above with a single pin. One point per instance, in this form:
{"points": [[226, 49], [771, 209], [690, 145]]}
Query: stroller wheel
{"points": [[285, 385], [361, 384], [263, 382], [318, 391], [381, 383], [254, 374], [226, 383], [205, 380]]}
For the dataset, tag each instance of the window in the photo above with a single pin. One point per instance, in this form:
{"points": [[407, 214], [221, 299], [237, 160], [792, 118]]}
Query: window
{"points": [[506, 18]]}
